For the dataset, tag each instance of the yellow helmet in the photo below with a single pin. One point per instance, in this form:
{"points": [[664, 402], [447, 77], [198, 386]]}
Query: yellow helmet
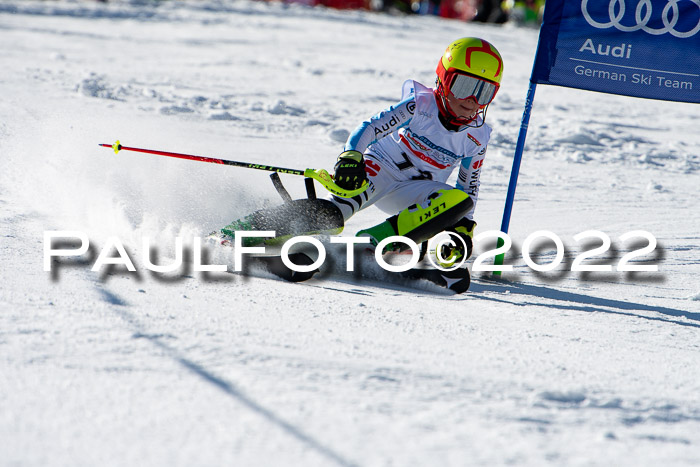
{"points": [[470, 67], [472, 56]]}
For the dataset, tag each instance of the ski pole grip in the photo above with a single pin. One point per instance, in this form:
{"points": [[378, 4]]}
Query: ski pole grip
{"points": [[324, 178]]}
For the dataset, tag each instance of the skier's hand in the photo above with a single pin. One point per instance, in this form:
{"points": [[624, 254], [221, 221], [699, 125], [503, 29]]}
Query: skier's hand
{"points": [[350, 170], [465, 229]]}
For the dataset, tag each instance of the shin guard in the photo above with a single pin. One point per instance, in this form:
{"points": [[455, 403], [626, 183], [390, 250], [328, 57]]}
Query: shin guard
{"points": [[419, 223]]}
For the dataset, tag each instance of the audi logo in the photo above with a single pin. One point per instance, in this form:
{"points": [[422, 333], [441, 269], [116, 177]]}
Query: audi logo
{"points": [[642, 15]]}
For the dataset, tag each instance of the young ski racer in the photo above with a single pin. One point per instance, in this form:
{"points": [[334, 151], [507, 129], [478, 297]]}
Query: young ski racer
{"points": [[406, 154]]}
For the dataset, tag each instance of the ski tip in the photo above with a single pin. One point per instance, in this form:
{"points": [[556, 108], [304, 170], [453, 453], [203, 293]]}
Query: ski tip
{"points": [[457, 280]]}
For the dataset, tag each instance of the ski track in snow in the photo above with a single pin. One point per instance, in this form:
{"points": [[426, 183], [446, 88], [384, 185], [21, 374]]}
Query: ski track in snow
{"points": [[119, 368]]}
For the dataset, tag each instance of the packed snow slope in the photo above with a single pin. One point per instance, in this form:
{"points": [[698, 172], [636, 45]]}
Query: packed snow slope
{"points": [[119, 368]]}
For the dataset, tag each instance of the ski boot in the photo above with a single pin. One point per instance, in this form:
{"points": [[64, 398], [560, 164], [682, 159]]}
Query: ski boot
{"points": [[460, 249]]}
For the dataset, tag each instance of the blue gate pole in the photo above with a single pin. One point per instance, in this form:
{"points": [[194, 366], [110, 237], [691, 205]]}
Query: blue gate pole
{"points": [[519, 147]]}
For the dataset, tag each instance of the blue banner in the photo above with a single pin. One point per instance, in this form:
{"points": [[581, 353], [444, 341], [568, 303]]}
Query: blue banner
{"points": [[640, 48]]}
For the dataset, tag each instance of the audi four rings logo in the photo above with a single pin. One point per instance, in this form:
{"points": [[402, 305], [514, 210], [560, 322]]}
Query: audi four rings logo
{"points": [[642, 15]]}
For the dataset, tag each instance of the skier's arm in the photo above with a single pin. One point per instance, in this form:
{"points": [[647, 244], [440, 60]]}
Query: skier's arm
{"points": [[350, 167], [381, 125]]}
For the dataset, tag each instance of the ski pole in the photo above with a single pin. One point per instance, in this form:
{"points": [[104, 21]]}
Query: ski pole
{"points": [[320, 175]]}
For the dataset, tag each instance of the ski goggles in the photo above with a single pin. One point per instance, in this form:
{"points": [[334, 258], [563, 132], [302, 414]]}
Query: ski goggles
{"points": [[466, 86]]}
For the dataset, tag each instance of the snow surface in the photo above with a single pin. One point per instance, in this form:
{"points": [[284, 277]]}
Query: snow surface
{"points": [[554, 368]]}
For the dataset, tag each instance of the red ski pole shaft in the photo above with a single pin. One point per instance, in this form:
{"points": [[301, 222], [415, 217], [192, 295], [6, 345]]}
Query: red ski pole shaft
{"points": [[321, 176], [118, 147]]}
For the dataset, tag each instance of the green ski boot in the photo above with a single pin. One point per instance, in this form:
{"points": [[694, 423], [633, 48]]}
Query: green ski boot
{"points": [[378, 233]]}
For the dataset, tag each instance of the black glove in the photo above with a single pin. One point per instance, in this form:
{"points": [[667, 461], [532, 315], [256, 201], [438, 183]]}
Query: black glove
{"points": [[465, 229], [350, 170]]}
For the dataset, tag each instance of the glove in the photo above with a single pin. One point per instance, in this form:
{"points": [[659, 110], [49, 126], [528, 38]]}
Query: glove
{"points": [[350, 170], [464, 228]]}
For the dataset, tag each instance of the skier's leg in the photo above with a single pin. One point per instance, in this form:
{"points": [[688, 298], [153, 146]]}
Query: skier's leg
{"points": [[308, 217], [435, 207], [318, 216], [297, 217]]}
